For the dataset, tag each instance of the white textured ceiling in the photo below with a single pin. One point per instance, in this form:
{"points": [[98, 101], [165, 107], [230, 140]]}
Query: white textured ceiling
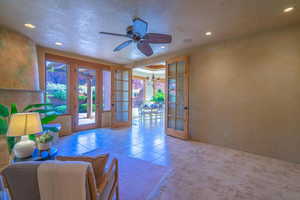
{"points": [[76, 23]]}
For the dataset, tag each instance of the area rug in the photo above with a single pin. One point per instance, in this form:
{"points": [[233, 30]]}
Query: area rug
{"points": [[207, 172], [139, 179]]}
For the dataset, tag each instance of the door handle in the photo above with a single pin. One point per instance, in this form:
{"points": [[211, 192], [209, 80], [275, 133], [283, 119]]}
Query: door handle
{"points": [[112, 104], [186, 108]]}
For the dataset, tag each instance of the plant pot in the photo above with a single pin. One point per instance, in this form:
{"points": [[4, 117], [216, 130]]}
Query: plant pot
{"points": [[4, 154], [44, 146]]}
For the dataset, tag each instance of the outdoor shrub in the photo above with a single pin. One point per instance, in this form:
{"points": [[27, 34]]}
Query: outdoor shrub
{"points": [[82, 98], [61, 109], [58, 91], [159, 97], [83, 108]]}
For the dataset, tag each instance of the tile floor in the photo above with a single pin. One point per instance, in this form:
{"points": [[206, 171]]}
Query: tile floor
{"points": [[200, 171], [145, 140]]}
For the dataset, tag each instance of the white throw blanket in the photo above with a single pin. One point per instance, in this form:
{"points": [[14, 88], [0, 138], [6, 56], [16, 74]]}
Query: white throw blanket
{"points": [[62, 180]]}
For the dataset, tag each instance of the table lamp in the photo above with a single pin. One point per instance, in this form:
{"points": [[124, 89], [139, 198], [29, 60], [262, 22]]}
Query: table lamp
{"points": [[21, 125]]}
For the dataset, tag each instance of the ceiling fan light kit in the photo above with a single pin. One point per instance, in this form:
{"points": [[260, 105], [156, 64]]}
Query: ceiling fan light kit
{"points": [[138, 34]]}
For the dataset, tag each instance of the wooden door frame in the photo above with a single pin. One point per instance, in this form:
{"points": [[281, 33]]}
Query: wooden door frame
{"points": [[115, 124], [72, 85], [69, 90], [170, 131], [98, 118]]}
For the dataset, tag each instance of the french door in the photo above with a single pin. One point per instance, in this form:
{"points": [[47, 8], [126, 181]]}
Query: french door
{"points": [[121, 98], [87, 98], [177, 97]]}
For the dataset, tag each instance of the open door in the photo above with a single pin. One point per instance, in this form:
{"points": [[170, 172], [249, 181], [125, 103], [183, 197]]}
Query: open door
{"points": [[87, 98], [121, 98], [177, 97]]}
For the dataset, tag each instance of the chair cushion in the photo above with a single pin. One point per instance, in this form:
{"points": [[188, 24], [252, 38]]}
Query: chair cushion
{"points": [[16, 177], [98, 163]]}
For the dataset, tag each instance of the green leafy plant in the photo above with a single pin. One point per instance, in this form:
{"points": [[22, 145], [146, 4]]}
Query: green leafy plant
{"points": [[45, 138], [58, 91], [4, 117], [83, 108], [159, 97], [82, 98]]}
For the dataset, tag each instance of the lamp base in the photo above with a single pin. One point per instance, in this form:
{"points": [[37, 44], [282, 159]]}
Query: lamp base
{"points": [[24, 149]]}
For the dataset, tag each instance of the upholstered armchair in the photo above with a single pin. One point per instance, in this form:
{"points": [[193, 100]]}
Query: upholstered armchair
{"points": [[17, 175]]}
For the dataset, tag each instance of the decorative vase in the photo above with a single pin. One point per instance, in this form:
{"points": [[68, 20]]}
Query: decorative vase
{"points": [[44, 146]]}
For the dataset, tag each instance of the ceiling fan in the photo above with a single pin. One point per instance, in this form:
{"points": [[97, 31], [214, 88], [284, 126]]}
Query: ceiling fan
{"points": [[138, 34]]}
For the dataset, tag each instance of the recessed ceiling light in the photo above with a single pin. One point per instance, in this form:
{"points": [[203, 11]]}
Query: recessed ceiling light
{"points": [[162, 47], [58, 43], [208, 33], [289, 9], [29, 26]]}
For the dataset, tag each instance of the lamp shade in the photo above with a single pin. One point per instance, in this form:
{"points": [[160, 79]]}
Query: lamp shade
{"points": [[24, 124]]}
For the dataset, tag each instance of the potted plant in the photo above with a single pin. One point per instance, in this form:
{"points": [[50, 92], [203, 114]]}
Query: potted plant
{"points": [[159, 97], [44, 141]]}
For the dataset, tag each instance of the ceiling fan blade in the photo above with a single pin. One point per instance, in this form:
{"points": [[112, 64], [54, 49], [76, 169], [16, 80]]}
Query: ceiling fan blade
{"points": [[140, 26], [123, 45], [157, 38], [145, 48], [115, 34]]}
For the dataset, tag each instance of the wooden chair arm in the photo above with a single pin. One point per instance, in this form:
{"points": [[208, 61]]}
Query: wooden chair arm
{"points": [[110, 177], [110, 166]]}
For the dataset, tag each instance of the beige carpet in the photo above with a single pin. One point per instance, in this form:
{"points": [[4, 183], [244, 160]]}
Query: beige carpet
{"points": [[207, 172]]}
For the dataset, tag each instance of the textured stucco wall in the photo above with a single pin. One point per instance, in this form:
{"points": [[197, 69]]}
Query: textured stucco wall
{"points": [[18, 69], [18, 61], [245, 94], [19, 82]]}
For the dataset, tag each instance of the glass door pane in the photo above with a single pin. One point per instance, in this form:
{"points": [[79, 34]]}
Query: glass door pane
{"points": [[176, 95], [86, 96], [121, 98], [177, 101], [57, 84]]}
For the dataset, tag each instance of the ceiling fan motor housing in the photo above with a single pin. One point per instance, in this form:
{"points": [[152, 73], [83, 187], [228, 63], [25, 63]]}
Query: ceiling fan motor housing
{"points": [[135, 37]]}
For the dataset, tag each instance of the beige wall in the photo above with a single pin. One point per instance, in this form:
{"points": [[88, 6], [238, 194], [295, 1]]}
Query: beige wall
{"points": [[106, 119], [66, 124], [19, 82], [245, 93], [18, 61]]}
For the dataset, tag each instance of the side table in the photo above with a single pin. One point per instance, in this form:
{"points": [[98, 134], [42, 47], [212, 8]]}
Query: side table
{"points": [[38, 155]]}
